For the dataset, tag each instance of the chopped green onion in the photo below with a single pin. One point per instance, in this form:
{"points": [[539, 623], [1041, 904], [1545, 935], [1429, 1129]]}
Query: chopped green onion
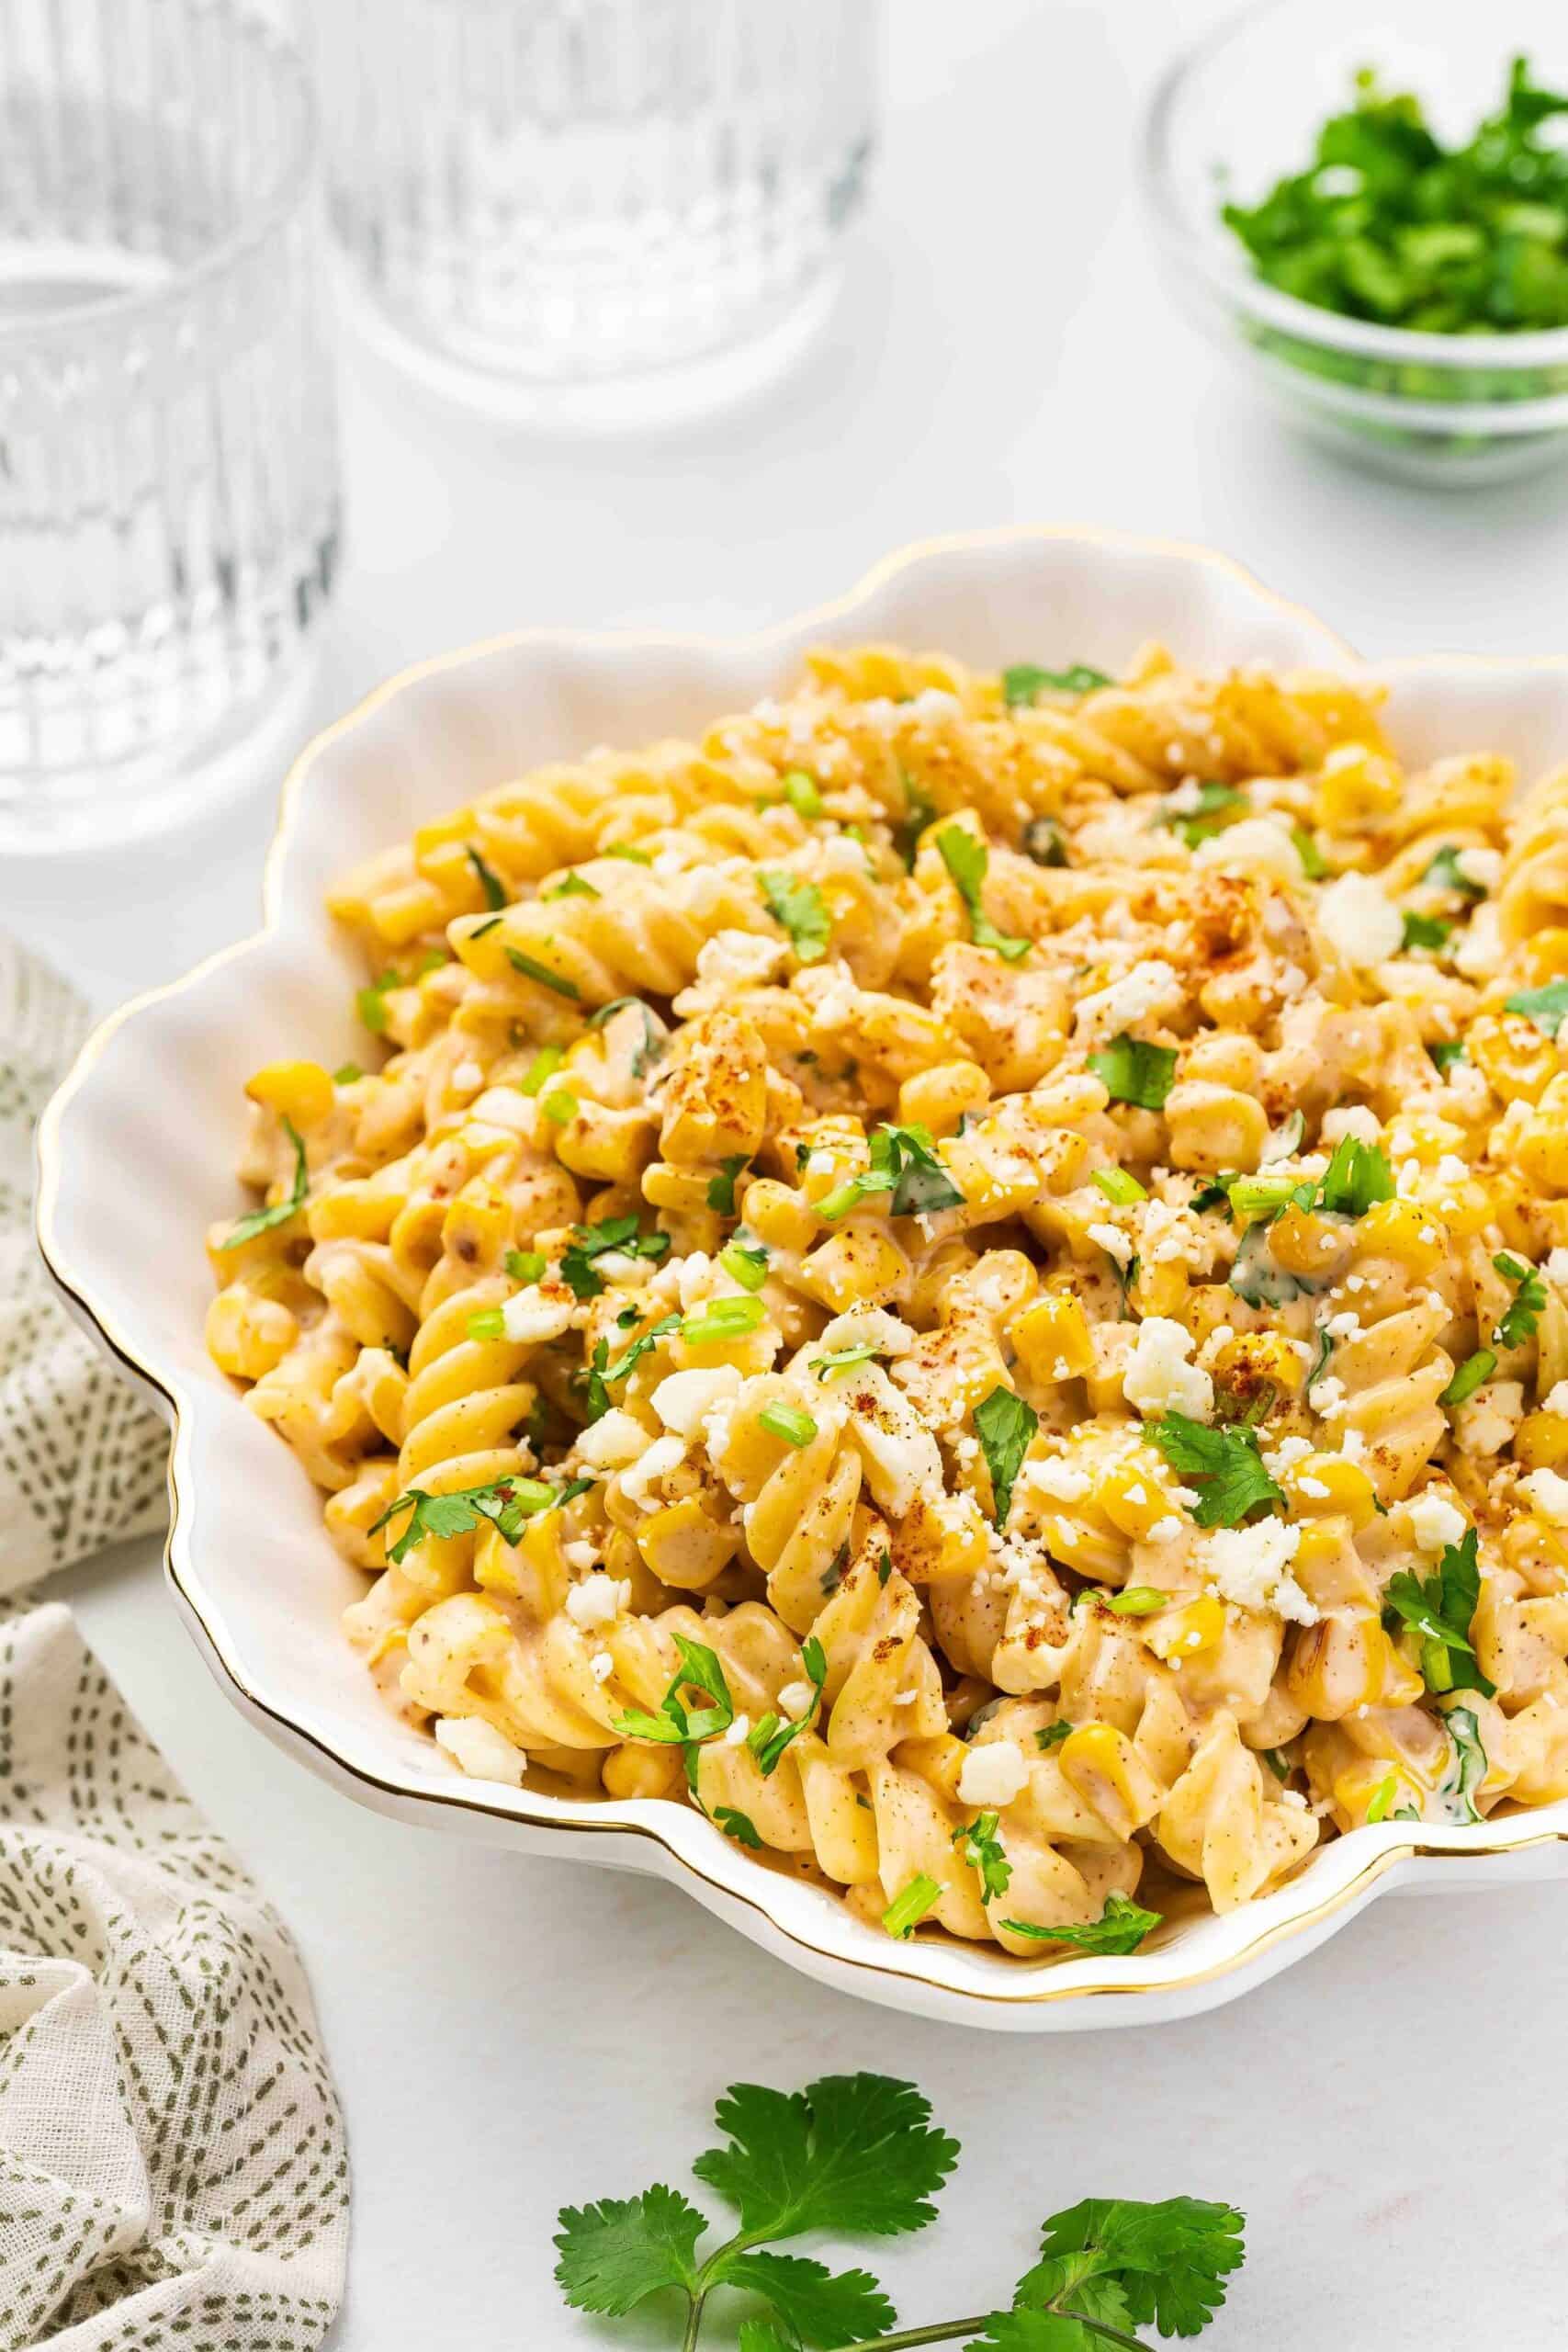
{"points": [[545, 1063], [907, 1910], [1118, 1186], [800, 791], [1472, 1372], [558, 1106], [747, 1267], [488, 1324], [795, 1428], [1138, 1600], [532, 970], [527, 1265], [722, 1319]]}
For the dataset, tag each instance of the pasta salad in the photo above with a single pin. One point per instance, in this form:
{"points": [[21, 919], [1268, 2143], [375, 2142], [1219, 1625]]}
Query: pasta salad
{"points": [[969, 1275]]}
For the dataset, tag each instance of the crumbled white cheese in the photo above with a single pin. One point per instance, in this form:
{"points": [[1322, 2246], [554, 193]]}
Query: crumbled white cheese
{"points": [[1250, 1565], [1148, 987], [992, 1774], [597, 1600], [1063, 1479], [1287, 1454], [1480, 951], [1167, 1234], [1361, 921], [1557, 1266], [1485, 1422], [615, 1438], [1435, 1522], [1346, 1325], [1166, 1530], [469, 1077], [737, 1732], [664, 1454], [1158, 1378], [479, 1749], [1547, 1493], [795, 1699], [866, 1327], [1114, 1243], [1482, 866], [1351, 1119], [1556, 1399], [683, 1399], [1257, 846], [529, 1316], [1326, 1396], [601, 1666]]}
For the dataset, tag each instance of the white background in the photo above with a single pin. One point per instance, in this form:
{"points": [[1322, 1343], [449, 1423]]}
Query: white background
{"points": [[509, 2034]]}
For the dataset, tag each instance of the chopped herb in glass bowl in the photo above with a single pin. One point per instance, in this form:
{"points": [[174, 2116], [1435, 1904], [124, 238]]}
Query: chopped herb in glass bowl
{"points": [[1375, 221]]}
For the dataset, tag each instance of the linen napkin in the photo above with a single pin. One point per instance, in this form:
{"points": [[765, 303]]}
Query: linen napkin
{"points": [[81, 1457], [172, 2169]]}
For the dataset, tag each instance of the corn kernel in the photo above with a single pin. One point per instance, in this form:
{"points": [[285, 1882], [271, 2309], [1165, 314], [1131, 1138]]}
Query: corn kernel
{"points": [[1050, 1338], [1132, 1497], [1413, 1236], [686, 1546], [1102, 1767], [939, 1098], [1541, 1441], [301, 1091], [1324, 1486], [1184, 1632]]}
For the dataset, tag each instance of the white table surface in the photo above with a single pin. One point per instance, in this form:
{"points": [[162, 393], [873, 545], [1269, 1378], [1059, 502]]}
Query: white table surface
{"points": [[509, 2034]]}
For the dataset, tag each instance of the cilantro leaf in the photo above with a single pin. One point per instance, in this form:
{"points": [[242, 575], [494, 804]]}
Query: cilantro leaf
{"points": [[1528, 1302], [1225, 1462], [572, 885], [1005, 1425], [768, 1738], [1547, 1006], [505, 1503], [1022, 680], [1075, 2284], [1052, 1735], [980, 1846], [263, 1220], [1358, 1176], [1171, 2259], [1445, 1054], [1439, 1611], [966, 860], [654, 1040], [1026, 2329], [1199, 816], [489, 882], [1423, 930], [370, 1002], [739, 1825], [1044, 841], [1120, 1927], [906, 1163], [675, 1724], [799, 909], [816, 2305], [1133, 1072], [590, 1241], [854, 2154], [720, 1194], [615, 2253], [1315, 865]]}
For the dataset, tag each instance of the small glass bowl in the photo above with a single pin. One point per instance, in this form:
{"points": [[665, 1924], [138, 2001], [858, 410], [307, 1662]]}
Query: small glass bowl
{"points": [[1242, 107]]}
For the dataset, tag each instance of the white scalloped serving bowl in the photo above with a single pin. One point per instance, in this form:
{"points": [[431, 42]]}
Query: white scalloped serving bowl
{"points": [[138, 1150]]}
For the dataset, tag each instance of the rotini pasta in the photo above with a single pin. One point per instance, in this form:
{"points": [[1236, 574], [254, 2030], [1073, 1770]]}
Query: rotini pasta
{"points": [[970, 1275]]}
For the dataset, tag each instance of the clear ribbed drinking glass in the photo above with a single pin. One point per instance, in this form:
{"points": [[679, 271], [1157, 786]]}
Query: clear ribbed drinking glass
{"points": [[168, 475], [600, 210]]}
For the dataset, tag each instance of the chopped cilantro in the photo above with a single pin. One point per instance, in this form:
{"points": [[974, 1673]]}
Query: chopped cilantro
{"points": [[1547, 1006], [590, 1241], [1225, 1463], [1133, 1072], [1446, 1053], [1052, 1735], [800, 790], [263, 1220], [739, 1825], [720, 1195], [906, 1163], [966, 860], [504, 1503], [1357, 1177], [1005, 1426], [1044, 841], [1445, 873], [980, 1846], [769, 1737], [346, 1074], [632, 856], [1315, 865], [1439, 1611], [799, 909], [572, 885], [1120, 1927], [1197, 817], [1423, 930], [653, 1038]]}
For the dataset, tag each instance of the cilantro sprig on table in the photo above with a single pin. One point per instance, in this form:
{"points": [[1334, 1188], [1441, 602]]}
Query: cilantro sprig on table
{"points": [[858, 2156]]}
